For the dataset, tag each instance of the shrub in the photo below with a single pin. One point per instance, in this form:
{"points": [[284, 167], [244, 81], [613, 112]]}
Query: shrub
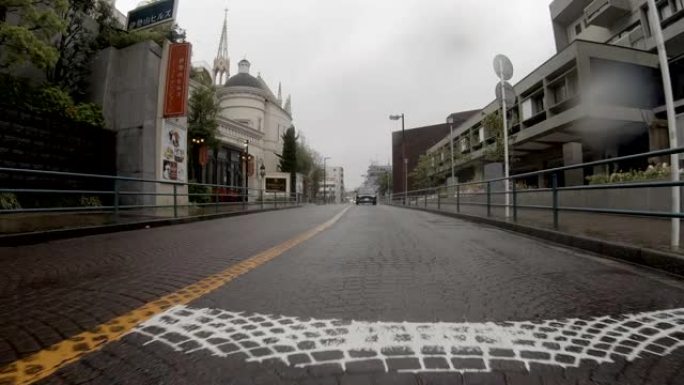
{"points": [[9, 201], [199, 189], [89, 113], [48, 100], [659, 171], [90, 201]]}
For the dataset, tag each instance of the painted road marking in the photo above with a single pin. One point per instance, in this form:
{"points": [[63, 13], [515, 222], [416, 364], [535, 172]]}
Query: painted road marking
{"points": [[450, 347], [47, 361]]}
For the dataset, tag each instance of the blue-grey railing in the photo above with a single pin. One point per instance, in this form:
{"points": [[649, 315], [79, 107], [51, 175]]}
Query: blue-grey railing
{"points": [[130, 195], [454, 195]]}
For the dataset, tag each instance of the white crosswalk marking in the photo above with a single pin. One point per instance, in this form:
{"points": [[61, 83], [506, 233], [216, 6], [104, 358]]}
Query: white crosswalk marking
{"points": [[462, 347]]}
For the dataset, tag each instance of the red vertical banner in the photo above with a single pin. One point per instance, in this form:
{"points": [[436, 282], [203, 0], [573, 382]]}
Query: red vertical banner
{"points": [[177, 80]]}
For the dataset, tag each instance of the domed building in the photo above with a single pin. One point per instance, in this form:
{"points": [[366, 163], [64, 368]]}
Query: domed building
{"points": [[252, 121]]}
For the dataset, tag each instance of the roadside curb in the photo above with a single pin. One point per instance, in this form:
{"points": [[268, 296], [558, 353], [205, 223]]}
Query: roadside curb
{"points": [[23, 239], [661, 260]]}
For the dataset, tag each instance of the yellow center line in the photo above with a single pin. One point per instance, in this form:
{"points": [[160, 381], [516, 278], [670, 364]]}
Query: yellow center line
{"points": [[44, 363]]}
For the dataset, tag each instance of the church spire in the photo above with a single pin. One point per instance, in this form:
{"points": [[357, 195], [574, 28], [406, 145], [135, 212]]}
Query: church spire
{"points": [[288, 105], [280, 95], [222, 61]]}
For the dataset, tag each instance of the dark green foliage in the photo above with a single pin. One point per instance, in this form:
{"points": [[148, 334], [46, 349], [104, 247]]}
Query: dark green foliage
{"points": [[199, 193], [384, 183], [203, 114], [493, 124], [90, 201], [119, 38], [422, 175], [48, 100], [288, 159], [9, 201], [30, 41]]}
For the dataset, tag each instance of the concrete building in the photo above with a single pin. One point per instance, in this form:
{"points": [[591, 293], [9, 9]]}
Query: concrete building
{"points": [[418, 141], [598, 97], [333, 185]]}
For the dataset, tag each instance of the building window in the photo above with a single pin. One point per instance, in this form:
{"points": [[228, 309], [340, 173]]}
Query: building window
{"points": [[3, 14], [481, 134], [664, 10], [560, 93], [533, 106], [464, 145], [575, 29], [679, 5]]}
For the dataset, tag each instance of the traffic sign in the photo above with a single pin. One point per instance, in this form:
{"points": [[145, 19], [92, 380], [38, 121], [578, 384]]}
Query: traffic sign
{"points": [[509, 93], [503, 67]]}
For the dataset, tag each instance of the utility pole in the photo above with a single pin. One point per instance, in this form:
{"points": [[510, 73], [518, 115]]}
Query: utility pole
{"points": [[325, 187], [403, 152]]}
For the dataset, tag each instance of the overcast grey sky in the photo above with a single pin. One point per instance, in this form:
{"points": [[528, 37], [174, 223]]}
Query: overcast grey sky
{"points": [[350, 63]]}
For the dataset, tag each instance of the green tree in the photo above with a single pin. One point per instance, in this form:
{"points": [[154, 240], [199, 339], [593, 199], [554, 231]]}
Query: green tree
{"points": [[118, 38], [494, 124], [30, 40], [309, 165], [203, 115], [288, 159], [203, 109], [384, 183], [422, 175], [76, 45]]}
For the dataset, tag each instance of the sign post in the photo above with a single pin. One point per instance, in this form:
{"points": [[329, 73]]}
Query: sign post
{"points": [[671, 120], [504, 70]]}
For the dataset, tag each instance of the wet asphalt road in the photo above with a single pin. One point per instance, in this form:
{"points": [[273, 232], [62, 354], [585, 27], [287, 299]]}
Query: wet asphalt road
{"points": [[385, 295]]}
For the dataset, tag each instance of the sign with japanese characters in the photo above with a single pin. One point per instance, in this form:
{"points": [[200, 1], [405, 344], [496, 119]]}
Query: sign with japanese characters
{"points": [[153, 14], [276, 184], [177, 79]]}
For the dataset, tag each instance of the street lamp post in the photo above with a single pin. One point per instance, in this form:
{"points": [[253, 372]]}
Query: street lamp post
{"points": [[388, 184], [246, 170], [450, 120], [403, 152], [325, 187], [262, 174]]}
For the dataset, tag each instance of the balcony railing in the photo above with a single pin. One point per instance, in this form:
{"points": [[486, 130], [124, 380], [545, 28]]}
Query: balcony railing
{"points": [[603, 13]]}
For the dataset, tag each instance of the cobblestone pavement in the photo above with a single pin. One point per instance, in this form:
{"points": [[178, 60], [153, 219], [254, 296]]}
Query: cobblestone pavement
{"points": [[384, 296]]}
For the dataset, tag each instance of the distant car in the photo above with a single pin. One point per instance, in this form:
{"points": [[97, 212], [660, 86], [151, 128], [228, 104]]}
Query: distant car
{"points": [[366, 199]]}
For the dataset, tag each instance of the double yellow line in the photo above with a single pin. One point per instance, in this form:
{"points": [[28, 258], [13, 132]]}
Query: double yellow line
{"points": [[47, 361]]}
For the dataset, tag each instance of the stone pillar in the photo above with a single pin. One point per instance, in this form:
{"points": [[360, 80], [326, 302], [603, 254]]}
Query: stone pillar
{"points": [[572, 154]]}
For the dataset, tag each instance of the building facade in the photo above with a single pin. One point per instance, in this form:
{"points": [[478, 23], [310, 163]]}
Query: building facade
{"points": [[252, 121], [333, 185], [416, 142], [599, 97]]}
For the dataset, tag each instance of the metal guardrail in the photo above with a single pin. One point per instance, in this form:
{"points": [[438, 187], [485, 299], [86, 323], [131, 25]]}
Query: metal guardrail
{"points": [[453, 195], [120, 195]]}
